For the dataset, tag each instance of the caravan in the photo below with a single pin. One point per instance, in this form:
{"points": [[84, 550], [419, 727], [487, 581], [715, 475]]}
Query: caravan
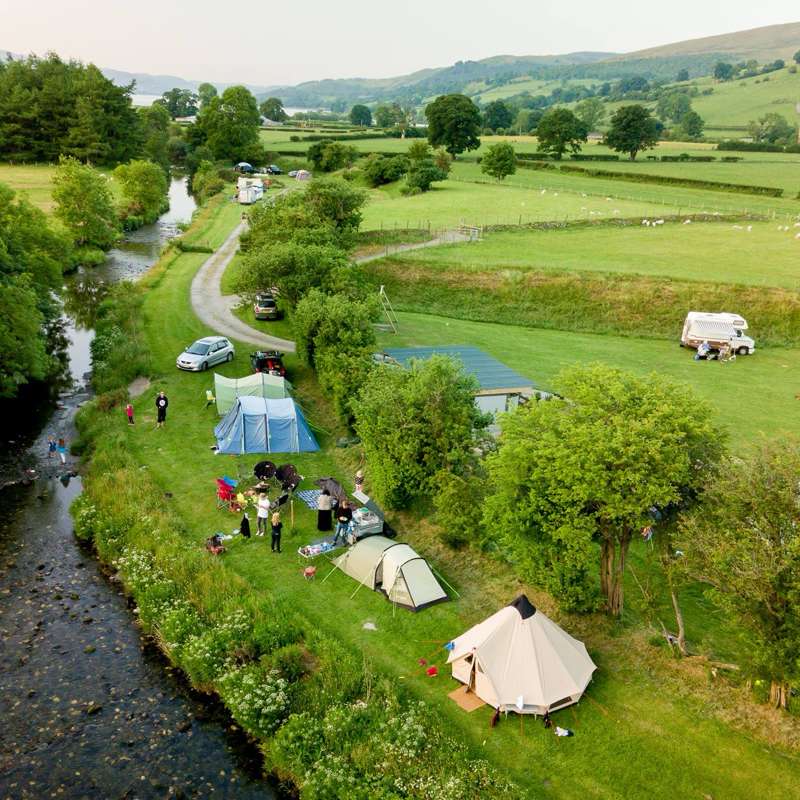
{"points": [[717, 330]]}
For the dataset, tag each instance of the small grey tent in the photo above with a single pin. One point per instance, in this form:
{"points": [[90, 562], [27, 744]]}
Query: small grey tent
{"points": [[520, 660], [393, 568]]}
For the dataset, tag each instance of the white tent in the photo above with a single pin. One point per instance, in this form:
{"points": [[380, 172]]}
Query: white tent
{"points": [[393, 568], [520, 660], [259, 384]]}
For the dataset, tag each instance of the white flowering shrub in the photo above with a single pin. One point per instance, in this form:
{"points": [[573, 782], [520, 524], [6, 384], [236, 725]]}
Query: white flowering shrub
{"points": [[177, 623], [85, 517], [257, 698]]}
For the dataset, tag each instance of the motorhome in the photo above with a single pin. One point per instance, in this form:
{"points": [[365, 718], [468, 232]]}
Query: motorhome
{"points": [[717, 329]]}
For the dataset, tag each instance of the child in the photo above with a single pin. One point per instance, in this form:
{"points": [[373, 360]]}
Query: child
{"points": [[277, 525], [359, 481], [244, 526], [51, 446], [62, 450], [129, 412]]}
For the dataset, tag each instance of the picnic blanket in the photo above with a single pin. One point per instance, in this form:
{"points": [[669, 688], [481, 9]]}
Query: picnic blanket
{"points": [[309, 497], [318, 547]]}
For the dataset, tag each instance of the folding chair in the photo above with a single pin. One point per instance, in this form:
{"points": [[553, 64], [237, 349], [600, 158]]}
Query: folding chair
{"points": [[226, 497], [210, 399]]}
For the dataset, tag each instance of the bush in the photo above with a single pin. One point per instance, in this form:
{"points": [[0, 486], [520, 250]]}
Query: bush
{"points": [[291, 661], [257, 698], [601, 157], [458, 502], [330, 156], [379, 170]]}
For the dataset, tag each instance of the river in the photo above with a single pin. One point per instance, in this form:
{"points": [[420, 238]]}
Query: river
{"points": [[89, 708]]}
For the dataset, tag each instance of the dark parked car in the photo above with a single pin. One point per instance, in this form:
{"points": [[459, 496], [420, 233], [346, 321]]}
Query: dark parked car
{"points": [[274, 169], [265, 307]]}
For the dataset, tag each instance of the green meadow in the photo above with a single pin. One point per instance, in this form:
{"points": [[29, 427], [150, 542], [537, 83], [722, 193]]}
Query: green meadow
{"points": [[32, 180]]}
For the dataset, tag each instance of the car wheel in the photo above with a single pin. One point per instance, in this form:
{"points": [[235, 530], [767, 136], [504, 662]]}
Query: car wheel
{"points": [[204, 366], [743, 351], [229, 357]]}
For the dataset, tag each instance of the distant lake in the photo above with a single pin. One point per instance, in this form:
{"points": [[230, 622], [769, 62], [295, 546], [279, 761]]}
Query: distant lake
{"points": [[149, 99]]}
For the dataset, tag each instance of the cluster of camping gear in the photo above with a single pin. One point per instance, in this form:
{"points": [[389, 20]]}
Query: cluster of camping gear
{"points": [[517, 660], [716, 336]]}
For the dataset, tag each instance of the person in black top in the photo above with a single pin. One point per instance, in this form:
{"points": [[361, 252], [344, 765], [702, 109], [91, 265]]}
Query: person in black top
{"points": [[277, 526], [343, 516], [161, 409]]}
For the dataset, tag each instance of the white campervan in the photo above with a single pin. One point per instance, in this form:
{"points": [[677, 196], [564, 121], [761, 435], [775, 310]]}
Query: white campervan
{"points": [[717, 330]]}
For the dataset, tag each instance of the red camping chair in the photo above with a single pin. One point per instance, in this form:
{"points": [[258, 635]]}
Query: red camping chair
{"points": [[226, 498]]}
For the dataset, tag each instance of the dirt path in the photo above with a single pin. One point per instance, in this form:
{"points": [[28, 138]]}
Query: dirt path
{"points": [[216, 310]]}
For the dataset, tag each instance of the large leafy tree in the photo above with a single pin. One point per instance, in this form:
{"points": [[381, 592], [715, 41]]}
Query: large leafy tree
{"points": [[336, 202], [723, 71], [415, 422], [424, 168], [772, 128], [32, 256], [690, 126], [83, 204], [331, 156], [560, 130], [591, 468], [230, 124], [388, 115], [205, 93], [500, 160], [144, 188], [671, 106], [632, 130], [454, 123], [744, 543], [272, 108], [361, 115], [497, 115], [154, 122], [179, 102]]}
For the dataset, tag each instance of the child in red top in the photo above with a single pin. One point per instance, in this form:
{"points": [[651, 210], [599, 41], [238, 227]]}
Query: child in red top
{"points": [[129, 412]]}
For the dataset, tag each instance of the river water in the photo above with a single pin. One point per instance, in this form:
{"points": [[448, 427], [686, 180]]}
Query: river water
{"points": [[89, 708]]}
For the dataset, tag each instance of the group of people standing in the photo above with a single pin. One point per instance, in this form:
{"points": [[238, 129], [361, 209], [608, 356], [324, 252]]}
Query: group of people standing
{"points": [[162, 403], [57, 447], [263, 519], [343, 511]]}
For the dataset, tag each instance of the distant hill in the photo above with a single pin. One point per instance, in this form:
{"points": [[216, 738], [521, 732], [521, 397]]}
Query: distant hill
{"points": [[763, 44]]}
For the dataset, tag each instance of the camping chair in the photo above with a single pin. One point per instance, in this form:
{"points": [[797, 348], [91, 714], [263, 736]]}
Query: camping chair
{"points": [[210, 399], [226, 497], [264, 470]]}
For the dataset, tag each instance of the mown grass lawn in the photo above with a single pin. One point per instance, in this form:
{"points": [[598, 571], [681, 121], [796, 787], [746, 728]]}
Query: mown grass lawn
{"points": [[715, 251], [640, 733], [33, 180]]}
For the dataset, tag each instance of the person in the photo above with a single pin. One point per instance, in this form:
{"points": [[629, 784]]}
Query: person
{"points": [[344, 515], [548, 723], [129, 412], [359, 481], [51, 446], [161, 408], [724, 352], [324, 513], [262, 513], [214, 545], [277, 526], [244, 526], [62, 450], [703, 349]]}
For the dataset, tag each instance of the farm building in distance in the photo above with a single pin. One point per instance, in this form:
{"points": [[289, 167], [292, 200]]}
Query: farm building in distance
{"points": [[500, 387]]}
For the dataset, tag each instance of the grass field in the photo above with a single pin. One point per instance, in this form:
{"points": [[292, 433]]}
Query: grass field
{"points": [[763, 256], [32, 180], [644, 713]]}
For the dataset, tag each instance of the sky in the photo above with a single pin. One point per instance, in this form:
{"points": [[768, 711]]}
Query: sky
{"points": [[269, 43]]}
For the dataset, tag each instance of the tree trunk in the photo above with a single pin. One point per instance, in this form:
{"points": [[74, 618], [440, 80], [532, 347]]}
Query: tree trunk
{"points": [[616, 596], [779, 694], [678, 617], [606, 561]]}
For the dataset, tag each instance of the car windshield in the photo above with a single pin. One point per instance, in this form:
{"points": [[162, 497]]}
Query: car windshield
{"points": [[198, 349], [266, 302]]}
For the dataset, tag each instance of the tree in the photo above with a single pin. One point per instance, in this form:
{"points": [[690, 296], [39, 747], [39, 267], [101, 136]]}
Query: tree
{"points": [[292, 267], [796, 57], [454, 122], [83, 204], [591, 112], [560, 130], [206, 181], [336, 202], [690, 126], [387, 116], [206, 92], [497, 115], [330, 156], [671, 106], [415, 422], [682, 76], [527, 120], [360, 115], [500, 160], [179, 102], [591, 468], [379, 169], [272, 108], [31, 259], [230, 125], [154, 123], [632, 129], [772, 128], [144, 189], [424, 168], [743, 542], [723, 71]]}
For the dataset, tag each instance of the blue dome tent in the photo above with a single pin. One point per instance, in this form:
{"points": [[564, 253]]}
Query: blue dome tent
{"points": [[262, 425]]}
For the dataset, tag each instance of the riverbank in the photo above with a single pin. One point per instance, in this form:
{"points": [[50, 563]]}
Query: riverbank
{"points": [[338, 697]]}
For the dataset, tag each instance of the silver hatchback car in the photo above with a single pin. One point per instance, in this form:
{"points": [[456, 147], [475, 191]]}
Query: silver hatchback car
{"points": [[204, 353]]}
